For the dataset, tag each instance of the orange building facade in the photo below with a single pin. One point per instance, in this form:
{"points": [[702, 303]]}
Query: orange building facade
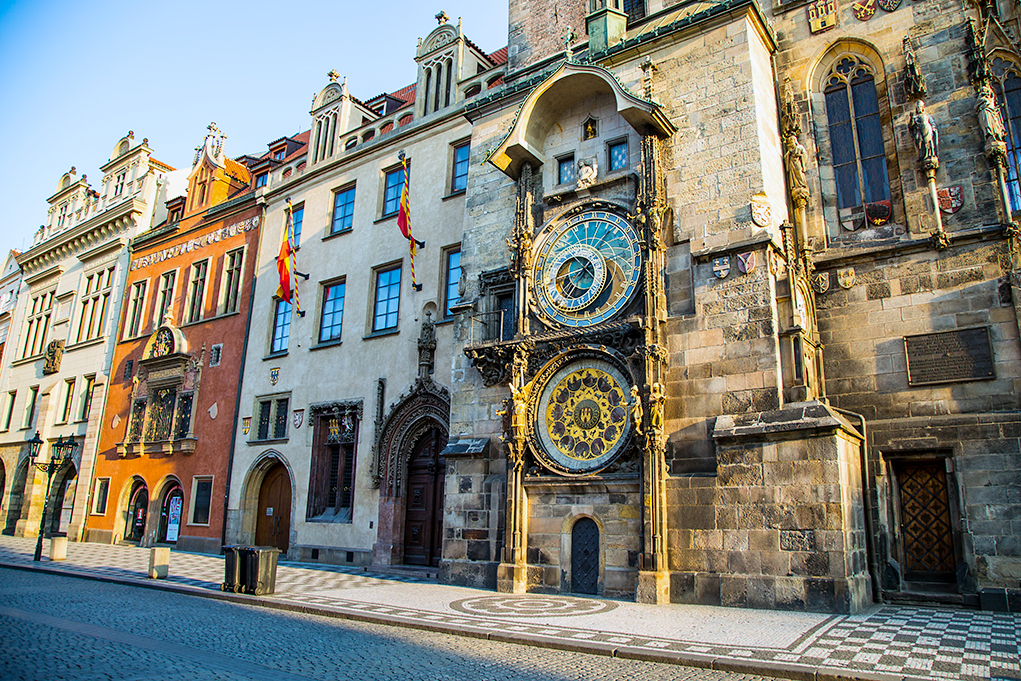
{"points": [[165, 441]]}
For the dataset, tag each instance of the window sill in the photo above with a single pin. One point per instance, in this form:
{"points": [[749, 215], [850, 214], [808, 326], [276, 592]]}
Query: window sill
{"points": [[446, 320], [197, 524], [326, 344], [384, 218], [85, 344], [334, 235], [382, 333], [275, 355], [28, 360], [454, 195], [253, 443]]}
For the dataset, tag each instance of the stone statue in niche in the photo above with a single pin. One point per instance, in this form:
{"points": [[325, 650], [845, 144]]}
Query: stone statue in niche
{"points": [[636, 409], [796, 158], [989, 114], [587, 170]]}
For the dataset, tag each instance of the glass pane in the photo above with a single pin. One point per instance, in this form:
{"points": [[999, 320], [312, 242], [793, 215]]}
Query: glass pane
{"points": [[837, 109], [847, 186], [870, 136], [877, 188], [864, 93], [842, 141]]}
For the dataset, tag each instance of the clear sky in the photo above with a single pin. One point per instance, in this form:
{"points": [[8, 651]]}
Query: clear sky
{"points": [[75, 77]]}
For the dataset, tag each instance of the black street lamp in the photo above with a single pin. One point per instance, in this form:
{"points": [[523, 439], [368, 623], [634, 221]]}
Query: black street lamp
{"points": [[61, 454]]}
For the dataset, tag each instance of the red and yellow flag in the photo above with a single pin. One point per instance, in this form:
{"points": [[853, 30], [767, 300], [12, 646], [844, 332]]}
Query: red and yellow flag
{"points": [[404, 222], [287, 290]]}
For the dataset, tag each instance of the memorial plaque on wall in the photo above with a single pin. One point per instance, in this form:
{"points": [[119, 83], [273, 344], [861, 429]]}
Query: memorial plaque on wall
{"points": [[949, 357]]}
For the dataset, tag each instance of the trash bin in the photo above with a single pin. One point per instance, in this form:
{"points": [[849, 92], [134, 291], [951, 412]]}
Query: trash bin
{"points": [[232, 573], [259, 568]]}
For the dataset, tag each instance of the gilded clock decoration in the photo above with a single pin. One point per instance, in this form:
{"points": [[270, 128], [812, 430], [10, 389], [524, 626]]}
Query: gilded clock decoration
{"points": [[586, 269], [583, 417], [164, 343]]}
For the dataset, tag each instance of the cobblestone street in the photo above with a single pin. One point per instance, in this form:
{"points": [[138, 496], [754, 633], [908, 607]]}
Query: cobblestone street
{"points": [[57, 627]]}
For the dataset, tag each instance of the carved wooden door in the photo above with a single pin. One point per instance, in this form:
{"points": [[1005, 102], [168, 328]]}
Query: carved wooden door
{"points": [[273, 525], [423, 524], [925, 522], [585, 557]]}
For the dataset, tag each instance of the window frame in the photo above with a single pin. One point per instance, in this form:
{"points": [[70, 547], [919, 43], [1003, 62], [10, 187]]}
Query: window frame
{"points": [[610, 145], [28, 417], [104, 485], [195, 304], [85, 398], [390, 205], [566, 161], [277, 323], [135, 313], [230, 288], [12, 397], [261, 180], [326, 288], [377, 273], [165, 298], [455, 162], [448, 252], [92, 297], [193, 506], [344, 217], [297, 222], [276, 402], [65, 411], [40, 314]]}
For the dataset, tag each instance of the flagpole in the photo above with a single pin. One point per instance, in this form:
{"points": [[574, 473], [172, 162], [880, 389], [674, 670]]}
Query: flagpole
{"points": [[404, 218]]}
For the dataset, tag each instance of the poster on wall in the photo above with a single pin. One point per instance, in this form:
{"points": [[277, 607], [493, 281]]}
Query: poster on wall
{"points": [[174, 519]]}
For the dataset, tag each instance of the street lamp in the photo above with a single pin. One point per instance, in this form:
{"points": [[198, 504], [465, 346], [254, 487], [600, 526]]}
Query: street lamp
{"points": [[61, 454]]}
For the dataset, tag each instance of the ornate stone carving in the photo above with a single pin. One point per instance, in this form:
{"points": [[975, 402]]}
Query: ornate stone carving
{"points": [[926, 135], [425, 405], [52, 356], [914, 82]]}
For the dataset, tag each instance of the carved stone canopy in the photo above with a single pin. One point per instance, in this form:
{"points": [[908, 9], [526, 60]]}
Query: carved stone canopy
{"points": [[426, 405], [565, 87]]}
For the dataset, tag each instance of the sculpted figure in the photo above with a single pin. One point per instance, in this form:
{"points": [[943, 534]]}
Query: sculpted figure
{"points": [[989, 114], [636, 409], [586, 172], [656, 399], [923, 129], [796, 158]]}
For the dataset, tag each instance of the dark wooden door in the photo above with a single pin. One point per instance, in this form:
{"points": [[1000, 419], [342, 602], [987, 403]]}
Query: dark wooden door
{"points": [[585, 557], [925, 522], [273, 526], [423, 524]]}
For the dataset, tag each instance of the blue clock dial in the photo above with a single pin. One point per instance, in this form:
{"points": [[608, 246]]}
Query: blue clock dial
{"points": [[587, 269]]}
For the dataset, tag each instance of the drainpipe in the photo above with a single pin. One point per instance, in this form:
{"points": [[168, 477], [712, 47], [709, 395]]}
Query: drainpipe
{"points": [[870, 548]]}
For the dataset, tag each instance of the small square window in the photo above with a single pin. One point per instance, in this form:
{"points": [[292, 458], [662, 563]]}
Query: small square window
{"points": [[215, 354], [260, 180], [129, 367], [565, 170], [273, 416], [343, 210], [617, 151]]}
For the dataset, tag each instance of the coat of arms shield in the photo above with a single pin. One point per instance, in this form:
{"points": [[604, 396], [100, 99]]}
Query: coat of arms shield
{"points": [[951, 198], [246, 425], [845, 277], [299, 417], [274, 375], [762, 212], [821, 282], [721, 267], [746, 262]]}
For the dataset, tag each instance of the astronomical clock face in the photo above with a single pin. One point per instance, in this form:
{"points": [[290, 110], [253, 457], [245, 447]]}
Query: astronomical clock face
{"points": [[586, 269], [582, 423]]}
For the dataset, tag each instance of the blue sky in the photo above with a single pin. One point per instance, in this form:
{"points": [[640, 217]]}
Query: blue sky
{"points": [[76, 76]]}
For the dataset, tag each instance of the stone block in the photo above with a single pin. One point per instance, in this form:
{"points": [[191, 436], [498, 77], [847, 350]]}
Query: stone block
{"points": [[58, 548], [733, 590], [159, 562]]}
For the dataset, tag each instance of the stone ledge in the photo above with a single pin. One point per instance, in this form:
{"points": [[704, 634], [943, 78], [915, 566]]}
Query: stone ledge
{"points": [[798, 419]]}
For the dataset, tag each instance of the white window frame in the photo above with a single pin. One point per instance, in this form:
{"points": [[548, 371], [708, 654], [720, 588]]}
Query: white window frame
{"points": [[103, 483], [194, 495]]}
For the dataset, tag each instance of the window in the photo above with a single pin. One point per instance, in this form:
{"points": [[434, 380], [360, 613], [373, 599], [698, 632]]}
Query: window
{"points": [[281, 326], [453, 271], [618, 156], [62, 216], [856, 141], [99, 496], [260, 180], [392, 192], [65, 413], [166, 297], [38, 324], [332, 474], [232, 280], [279, 154], [388, 298], [273, 415], [459, 174], [11, 396], [635, 10], [33, 396], [333, 312], [215, 355], [298, 216], [95, 300], [196, 291], [129, 368], [118, 183], [136, 308], [175, 215], [565, 169], [86, 398], [201, 496], [1007, 85], [343, 210]]}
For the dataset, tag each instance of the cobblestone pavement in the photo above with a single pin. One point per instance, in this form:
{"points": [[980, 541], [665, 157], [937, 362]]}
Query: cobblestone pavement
{"points": [[52, 629], [885, 642]]}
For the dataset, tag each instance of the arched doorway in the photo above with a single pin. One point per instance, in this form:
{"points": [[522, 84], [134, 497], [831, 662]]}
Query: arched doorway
{"points": [[585, 557], [138, 510], [170, 514], [62, 502], [17, 498], [273, 514], [423, 523]]}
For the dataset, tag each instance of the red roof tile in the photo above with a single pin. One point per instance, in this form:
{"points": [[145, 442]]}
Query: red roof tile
{"points": [[498, 57]]}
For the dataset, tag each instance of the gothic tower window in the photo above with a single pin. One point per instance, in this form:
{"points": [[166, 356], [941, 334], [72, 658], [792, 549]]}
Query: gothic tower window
{"points": [[856, 142], [1008, 94]]}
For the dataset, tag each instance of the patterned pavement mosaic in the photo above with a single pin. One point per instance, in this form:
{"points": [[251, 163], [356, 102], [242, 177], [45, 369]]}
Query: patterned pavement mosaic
{"points": [[888, 641]]}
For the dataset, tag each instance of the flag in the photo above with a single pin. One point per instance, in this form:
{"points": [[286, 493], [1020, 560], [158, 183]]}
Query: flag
{"points": [[285, 264], [404, 222]]}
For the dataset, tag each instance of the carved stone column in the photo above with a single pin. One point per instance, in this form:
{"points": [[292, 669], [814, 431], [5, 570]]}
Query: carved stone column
{"points": [[520, 245], [512, 573]]}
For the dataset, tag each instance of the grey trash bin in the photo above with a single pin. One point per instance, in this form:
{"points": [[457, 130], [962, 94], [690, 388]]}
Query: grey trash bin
{"points": [[259, 567], [232, 573]]}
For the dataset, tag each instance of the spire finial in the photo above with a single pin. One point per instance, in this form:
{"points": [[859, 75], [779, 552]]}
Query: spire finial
{"points": [[333, 75], [442, 18]]}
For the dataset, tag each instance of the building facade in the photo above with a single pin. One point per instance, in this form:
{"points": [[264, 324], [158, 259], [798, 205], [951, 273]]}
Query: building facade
{"points": [[57, 365], [163, 463]]}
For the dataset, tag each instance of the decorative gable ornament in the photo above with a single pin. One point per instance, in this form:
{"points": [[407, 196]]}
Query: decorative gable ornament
{"points": [[721, 267]]}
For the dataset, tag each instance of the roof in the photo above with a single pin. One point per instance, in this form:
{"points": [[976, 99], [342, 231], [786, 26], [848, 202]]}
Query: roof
{"points": [[498, 57], [237, 171], [406, 93]]}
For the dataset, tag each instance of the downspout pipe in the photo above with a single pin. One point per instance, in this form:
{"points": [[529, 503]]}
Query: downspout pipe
{"points": [[866, 479]]}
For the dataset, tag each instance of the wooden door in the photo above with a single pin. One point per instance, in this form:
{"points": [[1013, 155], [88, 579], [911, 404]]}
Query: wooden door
{"points": [[585, 557], [423, 525], [925, 522], [273, 525]]}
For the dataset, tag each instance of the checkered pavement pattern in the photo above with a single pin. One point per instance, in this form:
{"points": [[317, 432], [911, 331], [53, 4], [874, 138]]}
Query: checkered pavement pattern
{"points": [[903, 642]]}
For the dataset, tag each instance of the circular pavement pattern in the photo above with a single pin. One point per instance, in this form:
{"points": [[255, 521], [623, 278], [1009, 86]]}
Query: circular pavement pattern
{"points": [[531, 606]]}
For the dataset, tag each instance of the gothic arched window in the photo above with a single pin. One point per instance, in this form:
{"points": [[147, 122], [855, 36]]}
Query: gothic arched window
{"points": [[1008, 93], [856, 140]]}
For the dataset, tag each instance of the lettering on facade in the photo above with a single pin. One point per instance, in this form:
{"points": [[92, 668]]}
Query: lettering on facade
{"points": [[197, 243], [949, 357]]}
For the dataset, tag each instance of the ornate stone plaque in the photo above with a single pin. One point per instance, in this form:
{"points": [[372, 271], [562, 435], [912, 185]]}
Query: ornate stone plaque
{"points": [[949, 357]]}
